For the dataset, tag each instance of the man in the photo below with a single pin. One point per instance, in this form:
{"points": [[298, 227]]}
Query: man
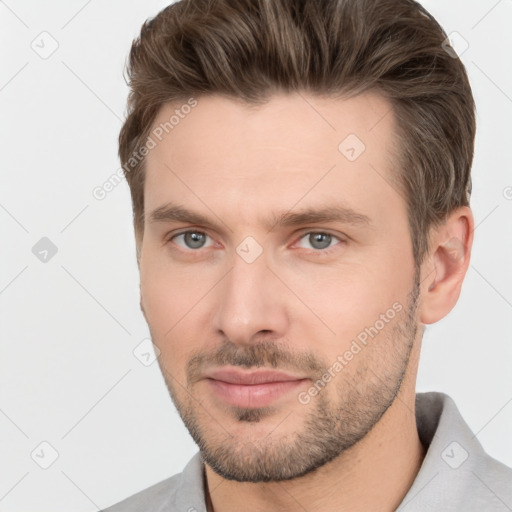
{"points": [[300, 178]]}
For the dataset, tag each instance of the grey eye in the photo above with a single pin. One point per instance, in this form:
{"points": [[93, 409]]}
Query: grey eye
{"points": [[320, 240], [194, 239]]}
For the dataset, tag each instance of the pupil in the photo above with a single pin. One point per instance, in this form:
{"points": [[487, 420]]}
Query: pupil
{"points": [[320, 240]]}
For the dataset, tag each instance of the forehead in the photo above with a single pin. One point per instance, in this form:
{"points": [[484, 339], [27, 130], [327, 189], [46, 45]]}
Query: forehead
{"points": [[296, 121], [224, 152]]}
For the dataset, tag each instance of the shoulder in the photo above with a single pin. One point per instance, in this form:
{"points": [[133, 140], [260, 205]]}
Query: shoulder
{"points": [[183, 491], [493, 480], [152, 498], [457, 473]]}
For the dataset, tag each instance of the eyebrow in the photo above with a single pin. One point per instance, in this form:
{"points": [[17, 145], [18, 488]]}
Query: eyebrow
{"points": [[313, 215]]}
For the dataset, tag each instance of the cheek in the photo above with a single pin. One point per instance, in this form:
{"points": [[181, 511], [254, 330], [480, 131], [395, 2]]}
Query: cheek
{"points": [[166, 316], [173, 299], [167, 291], [346, 306], [160, 297], [351, 298]]}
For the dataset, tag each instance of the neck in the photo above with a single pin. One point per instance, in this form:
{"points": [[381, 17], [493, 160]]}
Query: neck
{"points": [[374, 474]]}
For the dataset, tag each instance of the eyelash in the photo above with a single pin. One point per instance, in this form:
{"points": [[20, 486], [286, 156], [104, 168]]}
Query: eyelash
{"points": [[316, 251]]}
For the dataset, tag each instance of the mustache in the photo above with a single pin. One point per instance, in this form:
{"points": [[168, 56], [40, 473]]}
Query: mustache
{"points": [[261, 354]]}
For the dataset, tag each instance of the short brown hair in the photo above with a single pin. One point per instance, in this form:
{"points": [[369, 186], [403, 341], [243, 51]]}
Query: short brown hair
{"points": [[248, 49]]}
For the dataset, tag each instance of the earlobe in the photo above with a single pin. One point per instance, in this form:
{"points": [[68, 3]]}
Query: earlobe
{"points": [[447, 265]]}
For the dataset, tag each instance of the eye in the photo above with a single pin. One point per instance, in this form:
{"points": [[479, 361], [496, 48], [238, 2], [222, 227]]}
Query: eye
{"points": [[318, 240], [191, 239]]}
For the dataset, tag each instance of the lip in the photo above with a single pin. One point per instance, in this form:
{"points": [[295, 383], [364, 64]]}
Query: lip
{"points": [[251, 389], [251, 377]]}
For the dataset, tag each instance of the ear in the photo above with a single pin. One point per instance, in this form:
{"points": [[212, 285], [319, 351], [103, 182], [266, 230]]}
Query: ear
{"points": [[444, 269]]}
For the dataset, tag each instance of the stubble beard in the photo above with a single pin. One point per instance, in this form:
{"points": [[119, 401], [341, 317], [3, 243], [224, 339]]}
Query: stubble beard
{"points": [[330, 426]]}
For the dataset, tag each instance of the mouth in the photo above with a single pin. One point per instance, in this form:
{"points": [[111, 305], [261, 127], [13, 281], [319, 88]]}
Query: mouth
{"points": [[252, 389]]}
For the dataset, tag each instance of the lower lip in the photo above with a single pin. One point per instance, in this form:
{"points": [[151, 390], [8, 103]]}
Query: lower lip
{"points": [[255, 395]]}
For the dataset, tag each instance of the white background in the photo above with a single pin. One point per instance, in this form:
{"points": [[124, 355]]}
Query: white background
{"points": [[68, 327]]}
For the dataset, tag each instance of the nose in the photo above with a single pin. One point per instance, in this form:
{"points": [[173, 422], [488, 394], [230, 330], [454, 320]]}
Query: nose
{"points": [[250, 302]]}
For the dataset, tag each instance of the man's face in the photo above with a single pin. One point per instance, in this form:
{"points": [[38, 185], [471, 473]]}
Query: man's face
{"points": [[280, 285]]}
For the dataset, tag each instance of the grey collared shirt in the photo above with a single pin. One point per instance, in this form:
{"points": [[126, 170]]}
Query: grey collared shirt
{"points": [[456, 473]]}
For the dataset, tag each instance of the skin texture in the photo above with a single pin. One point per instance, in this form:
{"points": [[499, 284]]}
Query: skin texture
{"points": [[295, 307]]}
